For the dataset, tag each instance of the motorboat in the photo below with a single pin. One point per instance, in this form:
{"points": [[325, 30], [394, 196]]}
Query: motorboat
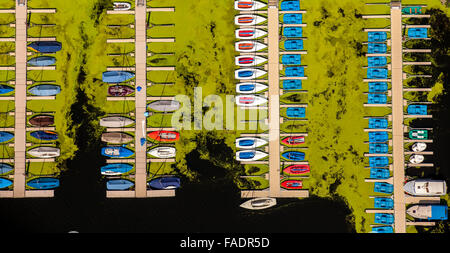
{"points": [[293, 45], [291, 59], [292, 84], [116, 152], [45, 90], [378, 137], [121, 6], [384, 218], [43, 183], [45, 135], [290, 5], [377, 73], [248, 5], [294, 71], [248, 74], [373, 98], [248, 19], [5, 168], [119, 184], [416, 159], [419, 146], [115, 169], [5, 136], [249, 60], [376, 48], [42, 61], [377, 36], [412, 10], [163, 152], [249, 33], [165, 183], [428, 212], [418, 134], [44, 152], [250, 142], [250, 88], [164, 105], [294, 156], [376, 61], [115, 121], [295, 112], [119, 90], [45, 46], [417, 109], [292, 18], [259, 203], [379, 161], [375, 123], [292, 184], [164, 136], [383, 229], [378, 148], [5, 89], [249, 46], [382, 187], [418, 33], [294, 140], [250, 100], [116, 137], [292, 32], [297, 169], [116, 76], [250, 155], [378, 87], [379, 173], [426, 187], [384, 203], [5, 183], [42, 120]]}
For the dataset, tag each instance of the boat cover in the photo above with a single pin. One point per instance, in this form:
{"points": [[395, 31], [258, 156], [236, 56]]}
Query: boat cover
{"points": [[291, 5], [383, 229], [417, 33], [385, 203], [295, 112], [384, 218], [412, 10], [378, 173], [294, 71], [379, 161], [376, 61], [377, 36], [376, 48], [42, 61], [378, 123], [292, 18], [417, 109], [382, 187], [377, 73], [291, 59], [378, 148], [378, 86], [45, 46], [5, 89], [45, 90], [292, 32], [378, 136], [294, 155], [293, 45], [374, 98], [292, 84]]}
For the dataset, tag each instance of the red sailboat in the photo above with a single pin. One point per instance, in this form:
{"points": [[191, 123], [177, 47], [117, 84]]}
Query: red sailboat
{"points": [[164, 136], [294, 140], [292, 184], [297, 169]]}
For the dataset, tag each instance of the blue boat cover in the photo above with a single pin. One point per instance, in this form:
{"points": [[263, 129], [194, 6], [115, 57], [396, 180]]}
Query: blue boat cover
{"points": [[384, 218], [45, 135], [382, 187], [379, 161], [45, 46], [44, 183], [378, 136], [291, 5], [385, 203], [246, 142], [295, 112], [117, 168], [116, 76], [378, 173], [292, 84], [293, 18], [5, 183], [5, 89], [374, 98], [417, 109], [247, 155], [246, 87], [42, 61], [294, 155], [116, 152], [5, 168], [293, 45], [377, 73], [376, 48], [291, 59], [378, 123], [165, 183], [118, 184], [377, 36], [378, 148], [378, 86], [245, 73], [376, 61], [292, 32], [383, 229], [294, 71], [45, 90], [6, 136], [439, 212], [417, 33]]}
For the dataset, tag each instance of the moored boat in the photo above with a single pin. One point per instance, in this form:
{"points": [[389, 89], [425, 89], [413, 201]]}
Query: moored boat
{"points": [[5, 183], [117, 152], [119, 184], [45, 46], [164, 105], [294, 140], [42, 120], [249, 46], [165, 183], [297, 169], [382, 229], [5, 89], [117, 137], [45, 135], [121, 6], [247, 74], [249, 142], [418, 134], [292, 184], [248, 5], [259, 203], [116, 76], [249, 60], [5, 168], [5, 136], [295, 112], [119, 90], [115, 169], [249, 33], [416, 159], [426, 187], [428, 212], [250, 155], [250, 100], [294, 156], [248, 19], [419, 146], [45, 90], [43, 183], [44, 152], [163, 152], [249, 88], [42, 61], [164, 136], [115, 121]]}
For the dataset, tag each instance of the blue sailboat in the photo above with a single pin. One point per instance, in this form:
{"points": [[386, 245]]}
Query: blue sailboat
{"points": [[292, 84], [45, 135], [291, 59], [116, 76], [45, 46], [45, 90], [295, 112], [5, 136], [165, 183], [117, 152], [42, 61], [294, 156], [116, 169], [5, 89], [5, 168], [119, 184], [5, 183], [43, 183], [292, 45]]}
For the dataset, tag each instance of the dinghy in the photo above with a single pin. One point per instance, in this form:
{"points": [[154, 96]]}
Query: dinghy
{"points": [[117, 138], [248, 20], [118, 184], [290, 5], [5, 136], [44, 152], [249, 33], [117, 152], [164, 136], [116, 76], [416, 159], [164, 105], [115, 169], [119, 90], [5, 89], [294, 71], [412, 10], [163, 152], [43, 183], [375, 123], [248, 5], [250, 155], [297, 169], [259, 203], [250, 88], [165, 183], [292, 32], [419, 146], [42, 120], [45, 135], [248, 74], [42, 61], [250, 100], [121, 6], [249, 142], [428, 212], [378, 86], [426, 187], [249, 46], [294, 156], [292, 184], [45, 90], [115, 121], [5, 168], [5, 183], [378, 148], [249, 60], [294, 140], [45, 46]]}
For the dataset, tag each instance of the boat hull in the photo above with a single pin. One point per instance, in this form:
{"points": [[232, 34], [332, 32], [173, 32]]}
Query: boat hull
{"points": [[5, 183], [45, 135], [119, 90], [42, 120], [164, 136], [249, 142], [248, 74], [45, 46], [116, 152], [117, 138], [244, 20], [292, 184], [44, 152], [256, 155], [163, 152], [118, 185], [249, 46], [116, 76], [248, 5], [6, 136], [248, 33], [45, 90], [250, 88], [43, 183], [115, 121], [249, 61], [165, 183], [293, 140], [5, 168], [164, 105], [259, 203], [5, 89], [250, 100], [115, 169], [297, 169], [42, 61]]}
